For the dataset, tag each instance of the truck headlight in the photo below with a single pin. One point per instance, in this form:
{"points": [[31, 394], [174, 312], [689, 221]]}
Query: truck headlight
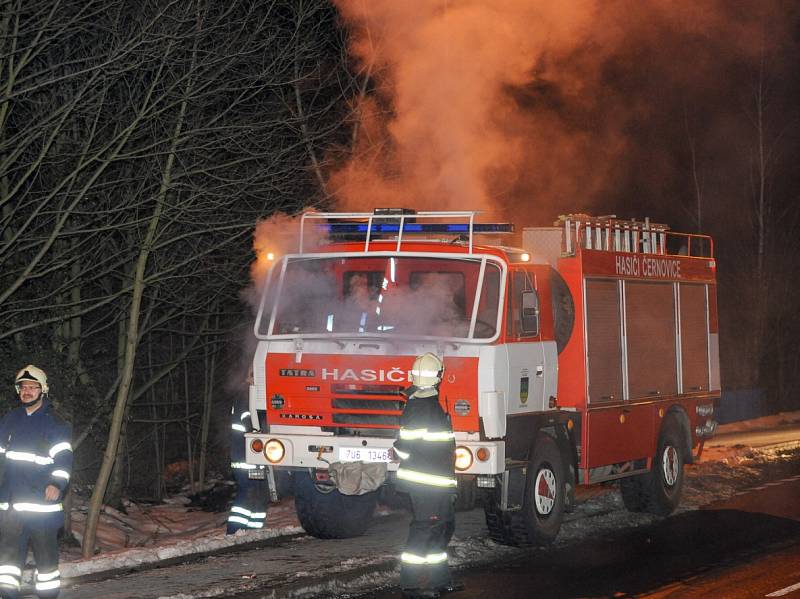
{"points": [[463, 458], [274, 451]]}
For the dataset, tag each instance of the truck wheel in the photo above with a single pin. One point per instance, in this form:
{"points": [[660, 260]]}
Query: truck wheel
{"points": [[539, 520], [545, 492], [659, 491], [389, 496], [506, 528], [325, 513], [467, 493], [633, 490]]}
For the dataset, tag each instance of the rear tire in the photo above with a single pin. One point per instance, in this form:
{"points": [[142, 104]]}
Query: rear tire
{"points": [[659, 491], [326, 513]]}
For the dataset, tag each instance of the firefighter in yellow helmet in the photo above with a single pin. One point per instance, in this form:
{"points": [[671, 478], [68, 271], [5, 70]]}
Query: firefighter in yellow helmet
{"points": [[426, 450]]}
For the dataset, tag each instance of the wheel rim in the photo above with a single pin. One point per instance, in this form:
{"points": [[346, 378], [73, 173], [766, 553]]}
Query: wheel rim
{"points": [[670, 465], [545, 491]]}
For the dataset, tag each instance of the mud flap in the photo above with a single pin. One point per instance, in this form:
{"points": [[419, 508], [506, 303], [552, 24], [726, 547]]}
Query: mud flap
{"points": [[512, 483], [273, 486]]}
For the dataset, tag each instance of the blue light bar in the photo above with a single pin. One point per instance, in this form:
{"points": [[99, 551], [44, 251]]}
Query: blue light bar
{"points": [[414, 228]]}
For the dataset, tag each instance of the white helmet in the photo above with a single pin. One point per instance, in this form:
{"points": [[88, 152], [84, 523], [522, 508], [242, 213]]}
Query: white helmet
{"points": [[32, 373], [427, 371]]}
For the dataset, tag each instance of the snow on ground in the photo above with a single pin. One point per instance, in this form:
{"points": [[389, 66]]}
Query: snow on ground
{"points": [[149, 534]]}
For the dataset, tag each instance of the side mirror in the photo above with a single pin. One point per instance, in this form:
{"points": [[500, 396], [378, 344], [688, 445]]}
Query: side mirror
{"points": [[530, 313]]}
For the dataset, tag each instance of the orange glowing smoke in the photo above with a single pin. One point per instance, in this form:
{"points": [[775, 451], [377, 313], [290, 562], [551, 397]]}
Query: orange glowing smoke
{"points": [[274, 237], [511, 105], [442, 68]]}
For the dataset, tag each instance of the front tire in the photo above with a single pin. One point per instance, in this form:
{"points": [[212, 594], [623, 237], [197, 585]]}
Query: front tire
{"points": [[539, 520], [467, 497], [326, 513], [545, 492]]}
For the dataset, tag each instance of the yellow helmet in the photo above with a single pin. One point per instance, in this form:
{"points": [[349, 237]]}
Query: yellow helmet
{"points": [[32, 373], [427, 371]]}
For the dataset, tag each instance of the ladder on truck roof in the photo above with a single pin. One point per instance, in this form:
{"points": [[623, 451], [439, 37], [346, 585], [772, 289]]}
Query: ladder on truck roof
{"points": [[612, 234], [400, 222]]}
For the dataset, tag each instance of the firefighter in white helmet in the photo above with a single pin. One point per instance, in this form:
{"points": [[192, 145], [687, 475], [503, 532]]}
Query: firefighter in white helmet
{"points": [[35, 446], [426, 450]]}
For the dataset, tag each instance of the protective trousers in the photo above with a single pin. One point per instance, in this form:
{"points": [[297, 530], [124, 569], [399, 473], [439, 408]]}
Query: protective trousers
{"points": [[17, 529], [249, 509], [424, 570]]}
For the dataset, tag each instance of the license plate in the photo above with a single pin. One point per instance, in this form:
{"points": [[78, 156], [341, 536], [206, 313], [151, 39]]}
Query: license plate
{"points": [[363, 454], [257, 474]]}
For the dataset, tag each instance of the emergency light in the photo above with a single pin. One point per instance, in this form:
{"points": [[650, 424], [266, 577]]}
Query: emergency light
{"points": [[379, 228]]}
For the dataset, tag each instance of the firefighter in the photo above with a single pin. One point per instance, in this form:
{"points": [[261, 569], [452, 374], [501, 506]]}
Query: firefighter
{"points": [[426, 472], [249, 510], [37, 454]]}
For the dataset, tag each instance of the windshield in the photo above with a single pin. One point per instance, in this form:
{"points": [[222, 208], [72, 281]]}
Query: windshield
{"points": [[418, 296]]}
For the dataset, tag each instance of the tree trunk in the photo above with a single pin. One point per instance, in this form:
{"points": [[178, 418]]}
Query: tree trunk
{"points": [[132, 337], [210, 361]]}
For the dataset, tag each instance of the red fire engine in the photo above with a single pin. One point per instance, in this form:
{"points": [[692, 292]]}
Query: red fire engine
{"points": [[588, 355]]}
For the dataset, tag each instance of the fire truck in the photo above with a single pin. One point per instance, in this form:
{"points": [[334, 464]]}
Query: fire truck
{"points": [[588, 355]]}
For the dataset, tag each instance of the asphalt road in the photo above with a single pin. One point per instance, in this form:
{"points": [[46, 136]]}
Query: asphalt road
{"points": [[746, 547]]}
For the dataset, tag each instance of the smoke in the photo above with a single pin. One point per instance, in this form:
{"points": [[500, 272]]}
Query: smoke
{"points": [[524, 108], [406, 296], [274, 237]]}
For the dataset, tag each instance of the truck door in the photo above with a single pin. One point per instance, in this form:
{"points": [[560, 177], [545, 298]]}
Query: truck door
{"points": [[526, 357], [618, 429]]}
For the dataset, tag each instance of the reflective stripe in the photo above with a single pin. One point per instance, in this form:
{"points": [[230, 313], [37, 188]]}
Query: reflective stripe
{"points": [[237, 520], [430, 373], [255, 525], [2, 449], [243, 466], [423, 434], [401, 454], [37, 507], [430, 559], [10, 581], [60, 474], [45, 576], [24, 456], [426, 479], [3, 506], [240, 510], [11, 570], [261, 515], [47, 586], [244, 415], [238, 427], [59, 447]]}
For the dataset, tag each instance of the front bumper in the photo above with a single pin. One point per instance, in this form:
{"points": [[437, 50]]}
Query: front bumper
{"points": [[318, 451]]}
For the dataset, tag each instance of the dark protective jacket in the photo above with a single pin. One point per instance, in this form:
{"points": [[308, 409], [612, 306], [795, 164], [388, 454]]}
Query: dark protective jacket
{"points": [[248, 510], [426, 446], [240, 424], [37, 452]]}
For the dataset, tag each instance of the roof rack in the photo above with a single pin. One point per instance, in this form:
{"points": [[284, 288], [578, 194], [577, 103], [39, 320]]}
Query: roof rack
{"points": [[400, 222], [629, 235]]}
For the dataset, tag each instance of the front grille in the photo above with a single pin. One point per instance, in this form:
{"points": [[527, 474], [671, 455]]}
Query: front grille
{"points": [[362, 389], [341, 403], [374, 406], [367, 419]]}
